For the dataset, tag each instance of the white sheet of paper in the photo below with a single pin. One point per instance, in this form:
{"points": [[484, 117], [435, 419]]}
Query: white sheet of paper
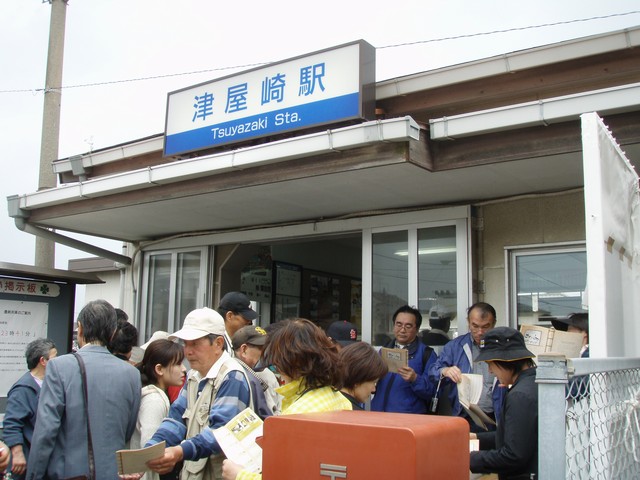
{"points": [[238, 440], [470, 389]]}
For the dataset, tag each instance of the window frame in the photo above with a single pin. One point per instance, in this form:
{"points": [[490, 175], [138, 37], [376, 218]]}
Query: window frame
{"points": [[512, 253], [146, 293], [463, 267]]}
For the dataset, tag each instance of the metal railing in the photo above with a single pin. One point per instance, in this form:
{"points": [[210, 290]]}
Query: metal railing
{"points": [[588, 418]]}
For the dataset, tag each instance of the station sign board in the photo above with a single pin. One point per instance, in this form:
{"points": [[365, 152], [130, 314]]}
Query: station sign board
{"points": [[320, 88]]}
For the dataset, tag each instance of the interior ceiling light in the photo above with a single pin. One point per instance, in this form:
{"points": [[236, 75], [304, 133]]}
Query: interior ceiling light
{"points": [[427, 251]]}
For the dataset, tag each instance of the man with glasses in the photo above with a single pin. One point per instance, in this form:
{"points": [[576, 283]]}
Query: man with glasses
{"points": [[459, 356], [409, 390]]}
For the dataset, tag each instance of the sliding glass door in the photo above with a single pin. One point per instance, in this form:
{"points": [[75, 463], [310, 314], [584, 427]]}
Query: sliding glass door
{"points": [[425, 266]]}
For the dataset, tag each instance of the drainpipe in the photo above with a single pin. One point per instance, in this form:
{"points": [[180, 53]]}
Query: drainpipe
{"points": [[21, 224], [123, 272]]}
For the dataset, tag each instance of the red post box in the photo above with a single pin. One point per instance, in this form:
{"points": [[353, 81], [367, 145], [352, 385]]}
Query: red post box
{"points": [[361, 445]]}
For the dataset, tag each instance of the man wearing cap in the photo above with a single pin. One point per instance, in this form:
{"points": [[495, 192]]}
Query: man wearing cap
{"points": [[437, 336], [342, 333], [512, 450], [248, 344], [459, 356], [235, 308], [217, 385]]}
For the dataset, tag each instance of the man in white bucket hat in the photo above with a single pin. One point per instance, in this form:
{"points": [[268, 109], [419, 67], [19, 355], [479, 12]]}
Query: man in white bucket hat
{"points": [[216, 384]]}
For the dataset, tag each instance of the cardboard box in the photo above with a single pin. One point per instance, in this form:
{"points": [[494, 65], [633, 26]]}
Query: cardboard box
{"points": [[361, 445]]}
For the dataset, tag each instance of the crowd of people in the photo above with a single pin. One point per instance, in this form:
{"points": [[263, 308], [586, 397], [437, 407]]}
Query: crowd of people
{"points": [[292, 366]]}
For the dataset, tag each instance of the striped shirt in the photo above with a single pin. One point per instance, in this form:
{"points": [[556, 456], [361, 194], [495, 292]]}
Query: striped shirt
{"points": [[231, 399]]}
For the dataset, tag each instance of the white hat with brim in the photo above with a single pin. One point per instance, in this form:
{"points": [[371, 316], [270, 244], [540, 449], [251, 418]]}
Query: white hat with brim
{"points": [[200, 323], [159, 335]]}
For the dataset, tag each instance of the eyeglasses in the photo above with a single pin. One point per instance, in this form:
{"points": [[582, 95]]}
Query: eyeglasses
{"points": [[404, 326]]}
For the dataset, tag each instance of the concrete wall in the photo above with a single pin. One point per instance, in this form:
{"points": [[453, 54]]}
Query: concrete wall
{"points": [[525, 221], [109, 291]]}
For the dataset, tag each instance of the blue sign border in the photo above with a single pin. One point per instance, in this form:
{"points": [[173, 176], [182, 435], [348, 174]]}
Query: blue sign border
{"points": [[268, 123]]}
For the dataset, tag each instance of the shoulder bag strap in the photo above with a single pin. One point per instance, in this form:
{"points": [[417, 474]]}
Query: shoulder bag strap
{"points": [[467, 352], [83, 372]]}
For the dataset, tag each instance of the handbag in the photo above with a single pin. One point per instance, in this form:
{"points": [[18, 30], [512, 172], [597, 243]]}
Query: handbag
{"points": [[83, 373]]}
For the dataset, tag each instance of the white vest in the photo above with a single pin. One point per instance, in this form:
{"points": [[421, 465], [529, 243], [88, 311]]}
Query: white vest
{"points": [[197, 419]]}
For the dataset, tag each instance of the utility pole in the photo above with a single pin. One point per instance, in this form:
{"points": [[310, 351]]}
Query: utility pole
{"points": [[46, 249]]}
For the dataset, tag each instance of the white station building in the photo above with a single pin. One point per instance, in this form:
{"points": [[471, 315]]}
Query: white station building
{"points": [[323, 193]]}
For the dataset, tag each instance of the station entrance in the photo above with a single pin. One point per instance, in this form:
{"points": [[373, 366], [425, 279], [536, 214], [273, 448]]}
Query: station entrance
{"points": [[319, 278]]}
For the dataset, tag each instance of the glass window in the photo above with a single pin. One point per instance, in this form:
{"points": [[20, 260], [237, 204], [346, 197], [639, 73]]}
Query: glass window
{"points": [[188, 283], [437, 279], [158, 298], [547, 283], [172, 285], [390, 287], [418, 266]]}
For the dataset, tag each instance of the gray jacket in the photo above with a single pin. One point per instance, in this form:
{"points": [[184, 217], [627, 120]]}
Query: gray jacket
{"points": [[59, 447]]}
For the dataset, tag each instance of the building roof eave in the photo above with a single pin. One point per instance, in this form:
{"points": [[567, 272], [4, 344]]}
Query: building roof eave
{"points": [[510, 62], [542, 112], [367, 133], [40, 273]]}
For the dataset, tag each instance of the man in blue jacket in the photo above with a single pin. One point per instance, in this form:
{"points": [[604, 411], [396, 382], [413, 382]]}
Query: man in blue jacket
{"points": [[22, 404], [459, 356], [409, 390]]}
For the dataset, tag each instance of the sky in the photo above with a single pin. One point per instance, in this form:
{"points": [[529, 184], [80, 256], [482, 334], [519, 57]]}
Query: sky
{"points": [[122, 57]]}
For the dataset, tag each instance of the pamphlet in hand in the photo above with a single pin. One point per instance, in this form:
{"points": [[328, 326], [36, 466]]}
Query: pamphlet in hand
{"points": [[469, 391], [395, 358], [540, 339], [135, 461], [238, 440]]}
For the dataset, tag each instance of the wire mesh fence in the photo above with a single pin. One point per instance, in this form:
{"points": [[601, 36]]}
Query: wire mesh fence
{"points": [[599, 436]]}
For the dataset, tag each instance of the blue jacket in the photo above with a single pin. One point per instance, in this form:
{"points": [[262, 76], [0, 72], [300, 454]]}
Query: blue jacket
{"points": [[20, 415], [393, 394], [458, 353]]}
